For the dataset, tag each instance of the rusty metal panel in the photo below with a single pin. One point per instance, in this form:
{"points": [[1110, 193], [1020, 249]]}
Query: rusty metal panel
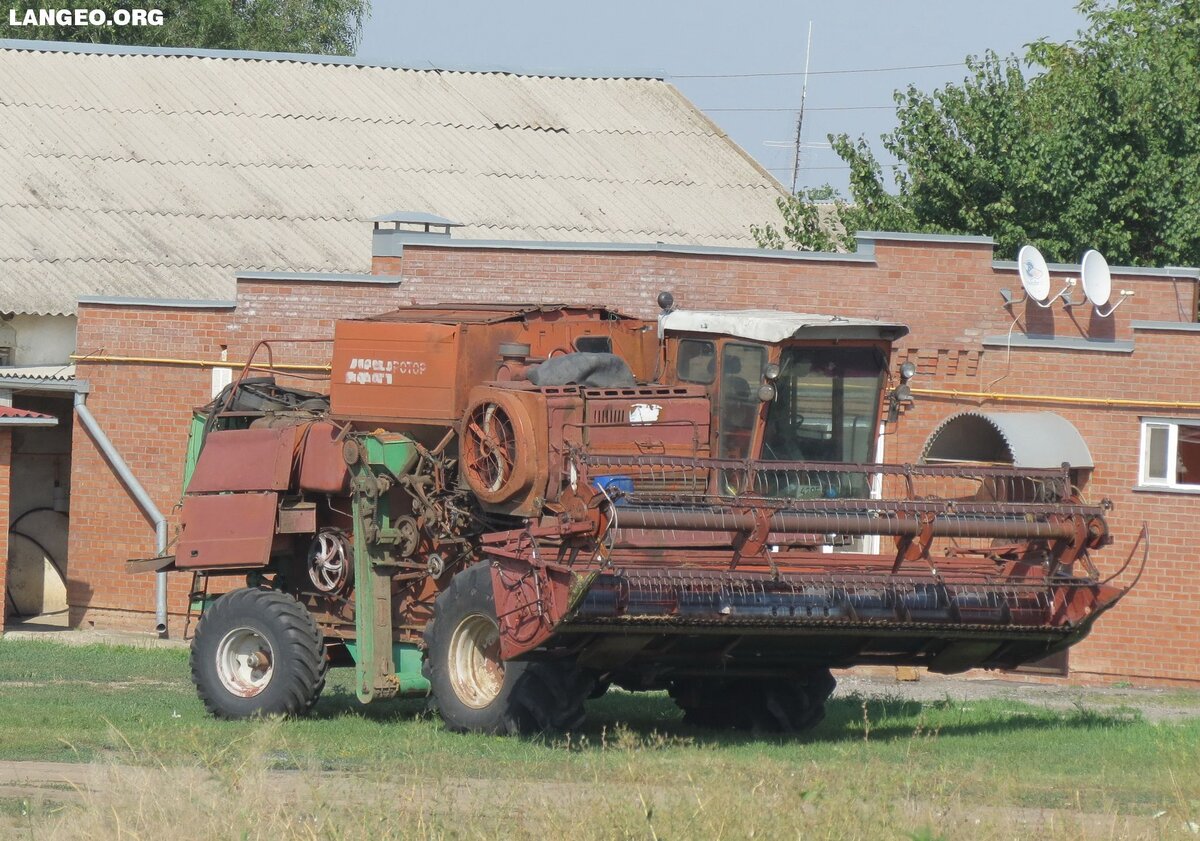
{"points": [[383, 370], [227, 531], [647, 420], [322, 466], [297, 518], [245, 460]]}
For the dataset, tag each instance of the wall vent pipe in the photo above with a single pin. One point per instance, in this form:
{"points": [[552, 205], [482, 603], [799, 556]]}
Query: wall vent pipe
{"points": [[143, 500]]}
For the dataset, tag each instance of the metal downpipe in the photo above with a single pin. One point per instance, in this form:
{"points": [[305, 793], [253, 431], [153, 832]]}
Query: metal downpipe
{"points": [[142, 499]]}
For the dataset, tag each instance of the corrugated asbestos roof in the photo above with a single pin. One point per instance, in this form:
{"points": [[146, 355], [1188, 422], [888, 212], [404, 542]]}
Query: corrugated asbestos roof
{"points": [[38, 372], [157, 174]]}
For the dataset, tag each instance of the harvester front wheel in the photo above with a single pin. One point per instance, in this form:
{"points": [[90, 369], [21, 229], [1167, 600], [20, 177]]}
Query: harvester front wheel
{"points": [[779, 705], [475, 691], [258, 652]]}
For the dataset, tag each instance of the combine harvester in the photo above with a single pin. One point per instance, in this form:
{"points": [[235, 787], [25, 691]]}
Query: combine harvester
{"points": [[509, 508]]}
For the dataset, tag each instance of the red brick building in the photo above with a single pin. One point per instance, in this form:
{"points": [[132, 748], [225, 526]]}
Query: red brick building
{"points": [[1124, 381]]}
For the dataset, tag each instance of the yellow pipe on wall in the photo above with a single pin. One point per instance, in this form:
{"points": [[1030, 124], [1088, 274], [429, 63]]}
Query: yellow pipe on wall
{"points": [[931, 392], [199, 363], [1047, 398]]}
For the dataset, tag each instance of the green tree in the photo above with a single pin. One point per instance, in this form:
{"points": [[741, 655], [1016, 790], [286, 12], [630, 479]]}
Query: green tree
{"points": [[1098, 147], [325, 27]]}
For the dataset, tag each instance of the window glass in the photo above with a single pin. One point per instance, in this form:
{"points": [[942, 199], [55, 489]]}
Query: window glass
{"points": [[1187, 462], [1171, 454], [741, 375], [1157, 440], [697, 361], [593, 344], [826, 405]]}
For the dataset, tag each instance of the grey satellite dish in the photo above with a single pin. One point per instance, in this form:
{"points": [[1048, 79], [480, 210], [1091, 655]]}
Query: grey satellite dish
{"points": [[1096, 278], [1035, 276]]}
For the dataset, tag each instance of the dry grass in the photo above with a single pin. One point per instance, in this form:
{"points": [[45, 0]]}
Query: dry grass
{"points": [[613, 791], [879, 767]]}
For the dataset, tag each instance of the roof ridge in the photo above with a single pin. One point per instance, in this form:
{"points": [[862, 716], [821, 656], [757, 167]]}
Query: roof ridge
{"points": [[176, 265], [121, 50]]}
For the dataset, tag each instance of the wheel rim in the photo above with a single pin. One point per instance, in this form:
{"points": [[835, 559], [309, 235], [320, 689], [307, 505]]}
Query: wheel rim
{"points": [[245, 662], [476, 670], [328, 565]]}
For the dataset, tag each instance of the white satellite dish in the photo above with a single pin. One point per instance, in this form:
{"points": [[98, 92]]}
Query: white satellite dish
{"points": [[1096, 277], [1035, 276]]}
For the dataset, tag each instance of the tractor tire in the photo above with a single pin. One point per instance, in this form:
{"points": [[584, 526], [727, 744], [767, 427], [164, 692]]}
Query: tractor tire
{"points": [[776, 705], [258, 652], [475, 691]]}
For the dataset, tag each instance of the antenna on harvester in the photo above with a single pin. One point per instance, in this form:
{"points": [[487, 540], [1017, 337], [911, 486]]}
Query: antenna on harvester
{"points": [[800, 116]]}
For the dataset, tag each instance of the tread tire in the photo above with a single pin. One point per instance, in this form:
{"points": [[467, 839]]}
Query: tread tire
{"points": [[298, 668], [535, 697]]}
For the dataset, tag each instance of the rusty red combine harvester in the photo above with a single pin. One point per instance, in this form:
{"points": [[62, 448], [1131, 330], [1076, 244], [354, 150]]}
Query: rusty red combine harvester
{"points": [[509, 508]]}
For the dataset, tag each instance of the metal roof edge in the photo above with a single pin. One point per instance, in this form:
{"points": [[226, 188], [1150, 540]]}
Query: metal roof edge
{"points": [[389, 243], [27, 384], [1029, 437], [906, 236], [6, 421], [1167, 326], [25, 45], [1053, 343], [1170, 272], [166, 303], [320, 277]]}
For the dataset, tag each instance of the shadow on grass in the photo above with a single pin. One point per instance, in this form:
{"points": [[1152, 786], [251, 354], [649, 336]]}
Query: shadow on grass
{"points": [[340, 703], [653, 716]]}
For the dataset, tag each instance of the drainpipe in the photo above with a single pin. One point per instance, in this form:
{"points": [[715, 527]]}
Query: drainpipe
{"points": [[140, 497]]}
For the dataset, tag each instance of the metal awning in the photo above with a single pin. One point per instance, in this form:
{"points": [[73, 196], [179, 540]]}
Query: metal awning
{"points": [[1022, 439]]}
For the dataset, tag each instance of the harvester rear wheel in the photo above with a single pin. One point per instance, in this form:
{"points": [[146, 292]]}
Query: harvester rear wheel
{"points": [[258, 652], [775, 705], [477, 692]]}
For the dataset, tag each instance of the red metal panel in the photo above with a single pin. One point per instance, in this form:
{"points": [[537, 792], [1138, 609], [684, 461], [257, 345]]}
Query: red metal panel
{"points": [[227, 530], [245, 460], [322, 466], [383, 370]]}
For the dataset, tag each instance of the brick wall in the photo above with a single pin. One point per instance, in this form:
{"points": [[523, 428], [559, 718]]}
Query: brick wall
{"points": [[947, 292]]}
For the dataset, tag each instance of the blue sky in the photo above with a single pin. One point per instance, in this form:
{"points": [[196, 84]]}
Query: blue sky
{"points": [[677, 39]]}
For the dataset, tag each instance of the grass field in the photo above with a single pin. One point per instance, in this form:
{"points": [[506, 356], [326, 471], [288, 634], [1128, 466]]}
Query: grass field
{"points": [[878, 767]]}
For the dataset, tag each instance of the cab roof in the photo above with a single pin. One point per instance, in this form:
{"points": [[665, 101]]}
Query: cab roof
{"points": [[772, 326]]}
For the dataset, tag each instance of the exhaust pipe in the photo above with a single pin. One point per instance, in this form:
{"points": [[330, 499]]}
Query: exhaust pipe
{"points": [[140, 496]]}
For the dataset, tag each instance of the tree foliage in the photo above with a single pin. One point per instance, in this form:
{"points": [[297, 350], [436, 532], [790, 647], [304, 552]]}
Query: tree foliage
{"points": [[324, 27], [1097, 147]]}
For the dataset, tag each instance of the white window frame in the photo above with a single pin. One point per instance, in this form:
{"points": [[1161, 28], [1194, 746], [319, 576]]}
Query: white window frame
{"points": [[1172, 425]]}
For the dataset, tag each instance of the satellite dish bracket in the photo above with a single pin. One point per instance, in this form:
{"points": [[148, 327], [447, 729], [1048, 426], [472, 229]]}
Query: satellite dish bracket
{"points": [[1065, 294], [1068, 302], [1126, 294]]}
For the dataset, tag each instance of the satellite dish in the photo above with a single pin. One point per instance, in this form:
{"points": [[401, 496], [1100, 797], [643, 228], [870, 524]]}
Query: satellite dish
{"points": [[1035, 276], [1097, 280]]}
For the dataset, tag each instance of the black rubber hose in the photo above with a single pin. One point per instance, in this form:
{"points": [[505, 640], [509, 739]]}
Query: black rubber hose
{"points": [[53, 562], [13, 524], [45, 551]]}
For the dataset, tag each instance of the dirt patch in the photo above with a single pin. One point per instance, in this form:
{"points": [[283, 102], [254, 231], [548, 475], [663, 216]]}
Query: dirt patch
{"points": [[1155, 705]]}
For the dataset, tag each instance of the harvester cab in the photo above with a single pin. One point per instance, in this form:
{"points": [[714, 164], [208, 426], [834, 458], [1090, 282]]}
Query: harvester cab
{"points": [[506, 507]]}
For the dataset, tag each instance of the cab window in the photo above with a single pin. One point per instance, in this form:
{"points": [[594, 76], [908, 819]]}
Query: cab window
{"points": [[696, 362], [741, 375]]}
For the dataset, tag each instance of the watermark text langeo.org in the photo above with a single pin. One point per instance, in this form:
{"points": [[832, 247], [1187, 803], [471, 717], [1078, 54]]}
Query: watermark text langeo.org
{"points": [[85, 17]]}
